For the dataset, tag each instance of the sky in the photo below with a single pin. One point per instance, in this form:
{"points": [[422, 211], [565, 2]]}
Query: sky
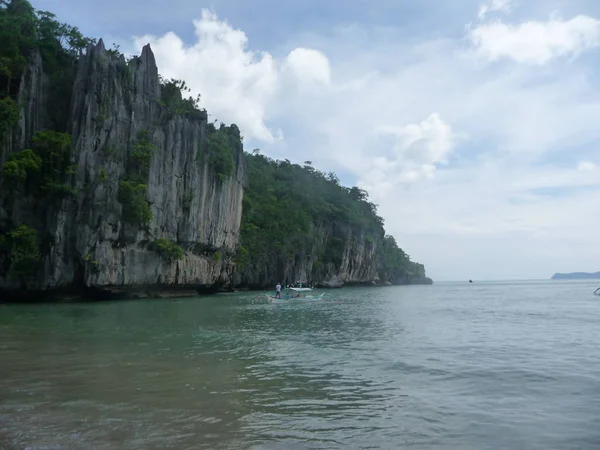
{"points": [[472, 124]]}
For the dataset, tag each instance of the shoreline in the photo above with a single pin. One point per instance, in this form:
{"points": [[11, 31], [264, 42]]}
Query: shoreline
{"points": [[91, 295]]}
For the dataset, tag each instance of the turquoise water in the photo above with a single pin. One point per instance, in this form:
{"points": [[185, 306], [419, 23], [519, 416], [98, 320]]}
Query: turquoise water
{"points": [[449, 366]]}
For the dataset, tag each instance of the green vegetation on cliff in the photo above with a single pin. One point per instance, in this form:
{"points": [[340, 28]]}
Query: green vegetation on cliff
{"points": [[172, 98], [22, 246], [284, 203], [133, 188], [292, 211], [221, 146], [23, 30], [395, 265], [44, 169], [168, 249]]}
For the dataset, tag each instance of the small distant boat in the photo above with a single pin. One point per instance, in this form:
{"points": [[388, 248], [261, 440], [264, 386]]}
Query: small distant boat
{"points": [[470, 281], [596, 292]]}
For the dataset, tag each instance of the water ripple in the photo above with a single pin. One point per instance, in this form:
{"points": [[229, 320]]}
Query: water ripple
{"points": [[502, 366]]}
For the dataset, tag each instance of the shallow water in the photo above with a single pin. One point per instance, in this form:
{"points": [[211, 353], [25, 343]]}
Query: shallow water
{"points": [[449, 366]]}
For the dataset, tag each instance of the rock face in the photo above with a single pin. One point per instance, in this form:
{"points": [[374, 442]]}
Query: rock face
{"points": [[357, 262], [90, 245], [33, 93]]}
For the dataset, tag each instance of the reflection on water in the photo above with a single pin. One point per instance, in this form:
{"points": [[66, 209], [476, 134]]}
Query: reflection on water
{"points": [[457, 366]]}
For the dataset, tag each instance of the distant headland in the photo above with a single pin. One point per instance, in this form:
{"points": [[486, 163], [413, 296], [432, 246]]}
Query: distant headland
{"points": [[576, 276]]}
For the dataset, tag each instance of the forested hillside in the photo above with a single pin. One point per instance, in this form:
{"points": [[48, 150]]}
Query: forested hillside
{"points": [[300, 224]]}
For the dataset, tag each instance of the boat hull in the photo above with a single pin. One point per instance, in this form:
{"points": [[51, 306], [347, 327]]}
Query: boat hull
{"points": [[289, 299]]}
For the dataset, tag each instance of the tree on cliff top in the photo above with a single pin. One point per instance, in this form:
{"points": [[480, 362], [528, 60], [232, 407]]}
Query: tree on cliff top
{"points": [[23, 30]]}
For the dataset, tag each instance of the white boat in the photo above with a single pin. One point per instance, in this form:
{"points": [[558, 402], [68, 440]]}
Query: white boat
{"points": [[295, 296], [286, 298]]}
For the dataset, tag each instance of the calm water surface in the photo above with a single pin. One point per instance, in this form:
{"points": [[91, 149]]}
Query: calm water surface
{"points": [[449, 366]]}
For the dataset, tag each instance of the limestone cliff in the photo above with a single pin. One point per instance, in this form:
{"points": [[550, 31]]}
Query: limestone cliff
{"points": [[85, 240], [356, 262]]}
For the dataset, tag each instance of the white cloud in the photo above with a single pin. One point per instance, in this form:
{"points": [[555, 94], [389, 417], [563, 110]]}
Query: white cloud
{"points": [[418, 148], [586, 166], [308, 65], [536, 42], [427, 142], [236, 84], [490, 6]]}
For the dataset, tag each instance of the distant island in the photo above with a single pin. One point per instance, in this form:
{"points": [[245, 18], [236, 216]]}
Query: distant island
{"points": [[576, 276]]}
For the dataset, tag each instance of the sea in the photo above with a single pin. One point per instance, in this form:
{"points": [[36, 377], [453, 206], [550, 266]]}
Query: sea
{"points": [[489, 365]]}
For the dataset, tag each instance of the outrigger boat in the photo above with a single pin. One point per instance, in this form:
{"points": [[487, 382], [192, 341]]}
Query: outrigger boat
{"points": [[294, 299], [295, 296]]}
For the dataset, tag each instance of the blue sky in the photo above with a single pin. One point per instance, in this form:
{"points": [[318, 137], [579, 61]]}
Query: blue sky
{"points": [[473, 124]]}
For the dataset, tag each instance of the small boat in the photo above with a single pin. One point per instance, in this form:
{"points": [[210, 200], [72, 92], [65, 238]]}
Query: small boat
{"points": [[295, 298], [596, 292]]}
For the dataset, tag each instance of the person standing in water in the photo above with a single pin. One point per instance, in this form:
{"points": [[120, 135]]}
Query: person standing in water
{"points": [[278, 290]]}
